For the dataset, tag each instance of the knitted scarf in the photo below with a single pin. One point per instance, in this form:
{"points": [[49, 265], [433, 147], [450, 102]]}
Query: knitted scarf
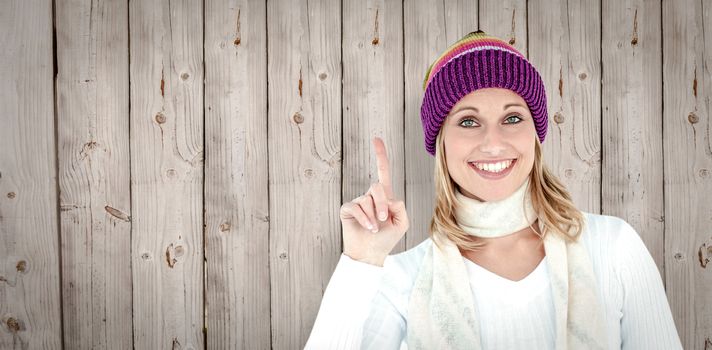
{"points": [[441, 310]]}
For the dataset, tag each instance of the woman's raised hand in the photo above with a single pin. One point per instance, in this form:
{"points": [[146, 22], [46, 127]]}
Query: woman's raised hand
{"points": [[374, 222]]}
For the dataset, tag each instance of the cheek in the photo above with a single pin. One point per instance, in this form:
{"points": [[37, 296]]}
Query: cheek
{"points": [[455, 148], [528, 154]]}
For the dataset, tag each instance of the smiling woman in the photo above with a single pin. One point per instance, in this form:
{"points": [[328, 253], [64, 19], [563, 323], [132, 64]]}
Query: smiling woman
{"points": [[510, 263]]}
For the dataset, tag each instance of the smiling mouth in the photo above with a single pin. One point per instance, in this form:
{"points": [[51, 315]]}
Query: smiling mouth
{"points": [[493, 172], [493, 168]]}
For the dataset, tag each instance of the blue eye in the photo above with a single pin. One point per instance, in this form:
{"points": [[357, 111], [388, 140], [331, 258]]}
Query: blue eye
{"points": [[467, 120], [514, 116], [517, 121]]}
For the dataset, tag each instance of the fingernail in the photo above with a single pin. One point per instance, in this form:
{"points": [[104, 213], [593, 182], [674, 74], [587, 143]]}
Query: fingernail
{"points": [[375, 230], [382, 216], [370, 227]]}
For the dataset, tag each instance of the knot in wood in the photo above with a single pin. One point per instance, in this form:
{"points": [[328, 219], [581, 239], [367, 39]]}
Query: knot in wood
{"points": [[13, 325], [558, 118], [160, 118], [693, 118], [21, 266]]}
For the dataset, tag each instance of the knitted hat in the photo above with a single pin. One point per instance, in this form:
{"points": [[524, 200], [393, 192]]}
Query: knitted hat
{"points": [[475, 62]]}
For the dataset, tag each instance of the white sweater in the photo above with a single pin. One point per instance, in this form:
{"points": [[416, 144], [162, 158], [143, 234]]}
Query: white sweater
{"points": [[366, 306]]}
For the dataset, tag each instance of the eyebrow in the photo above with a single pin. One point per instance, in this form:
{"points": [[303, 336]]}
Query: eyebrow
{"points": [[478, 111]]}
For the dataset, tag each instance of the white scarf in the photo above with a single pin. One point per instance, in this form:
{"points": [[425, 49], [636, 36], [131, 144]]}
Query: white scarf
{"points": [[441, 311]]}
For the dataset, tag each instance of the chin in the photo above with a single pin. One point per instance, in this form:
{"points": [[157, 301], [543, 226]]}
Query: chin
{"points": [[495, 193]]}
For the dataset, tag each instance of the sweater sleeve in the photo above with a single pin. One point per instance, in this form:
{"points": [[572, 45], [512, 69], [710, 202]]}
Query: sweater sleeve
{"points": [[352, 304], [647, 321]]}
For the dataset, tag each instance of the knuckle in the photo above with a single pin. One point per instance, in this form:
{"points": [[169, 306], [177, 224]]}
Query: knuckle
{"points": [[346, 207], [370, 198], [365, 200]]}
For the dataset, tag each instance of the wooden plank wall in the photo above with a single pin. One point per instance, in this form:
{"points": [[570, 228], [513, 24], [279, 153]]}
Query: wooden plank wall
{"points": [[92, 100], [30, 268], [304, 143], [166, 142], [687, 170], [171, 171], [237, 219]]}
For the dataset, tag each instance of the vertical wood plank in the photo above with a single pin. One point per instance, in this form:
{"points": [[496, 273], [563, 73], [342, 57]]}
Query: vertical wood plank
{"points": [[30, 316], [372, 95], [94, 179], [507, 20], [236, 202], [166, 72], [425, 38], [687, 78], [564, 46], [304, 94], [632, 177]]}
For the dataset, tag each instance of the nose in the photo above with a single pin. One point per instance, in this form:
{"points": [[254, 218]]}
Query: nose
{"points": [[492, 142]]}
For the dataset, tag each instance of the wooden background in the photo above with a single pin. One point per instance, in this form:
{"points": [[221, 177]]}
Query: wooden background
{"points": [[171, 171]]}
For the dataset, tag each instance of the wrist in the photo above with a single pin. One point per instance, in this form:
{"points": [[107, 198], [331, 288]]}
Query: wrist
{"points": [[372, 260]]}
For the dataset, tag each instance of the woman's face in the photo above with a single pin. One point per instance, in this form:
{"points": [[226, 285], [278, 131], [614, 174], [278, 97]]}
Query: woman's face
{"points": [[495, 126]]}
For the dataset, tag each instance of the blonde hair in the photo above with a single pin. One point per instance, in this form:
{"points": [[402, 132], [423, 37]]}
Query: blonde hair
{"points": [[550, 199]]}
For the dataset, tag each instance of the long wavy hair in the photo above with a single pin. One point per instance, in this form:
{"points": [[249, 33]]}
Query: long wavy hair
{"points": [[550, 199]]}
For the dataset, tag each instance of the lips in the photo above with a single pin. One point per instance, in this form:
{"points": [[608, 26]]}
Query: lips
{"points": [[493, 176]]}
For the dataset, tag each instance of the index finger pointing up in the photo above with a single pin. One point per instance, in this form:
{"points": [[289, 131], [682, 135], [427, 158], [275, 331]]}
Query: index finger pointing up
{"points": [[384, 172]]}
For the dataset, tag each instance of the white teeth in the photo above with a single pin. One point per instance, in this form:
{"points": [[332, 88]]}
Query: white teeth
{"points": [[494, 168]]}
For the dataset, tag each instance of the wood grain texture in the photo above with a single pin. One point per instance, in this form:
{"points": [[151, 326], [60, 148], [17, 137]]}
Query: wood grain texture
{"points": [[687, 78], [372, 49], [507, 19], [304, 43], [564, 44], [94, 173], [30, 316], [236, 187], [425, 38], [115, 233], [632, 164], [166, 72]]}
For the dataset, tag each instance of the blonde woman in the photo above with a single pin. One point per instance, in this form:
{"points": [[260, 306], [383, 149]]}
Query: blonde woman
{"points": [[510, 262]]}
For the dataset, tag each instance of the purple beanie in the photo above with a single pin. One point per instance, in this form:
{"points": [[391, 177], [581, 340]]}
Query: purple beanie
{"points": [[475, 62]]}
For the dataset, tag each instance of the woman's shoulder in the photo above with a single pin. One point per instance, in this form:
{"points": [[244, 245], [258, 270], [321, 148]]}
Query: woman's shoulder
{"points": [[603, 235], [605, 227]]}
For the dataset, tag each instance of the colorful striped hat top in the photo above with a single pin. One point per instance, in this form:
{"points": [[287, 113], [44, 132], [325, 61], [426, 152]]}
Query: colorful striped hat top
{"points": [[474, 62]]}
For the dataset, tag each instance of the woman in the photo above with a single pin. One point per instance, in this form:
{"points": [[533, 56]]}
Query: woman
{"points": [[510, 262]]}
